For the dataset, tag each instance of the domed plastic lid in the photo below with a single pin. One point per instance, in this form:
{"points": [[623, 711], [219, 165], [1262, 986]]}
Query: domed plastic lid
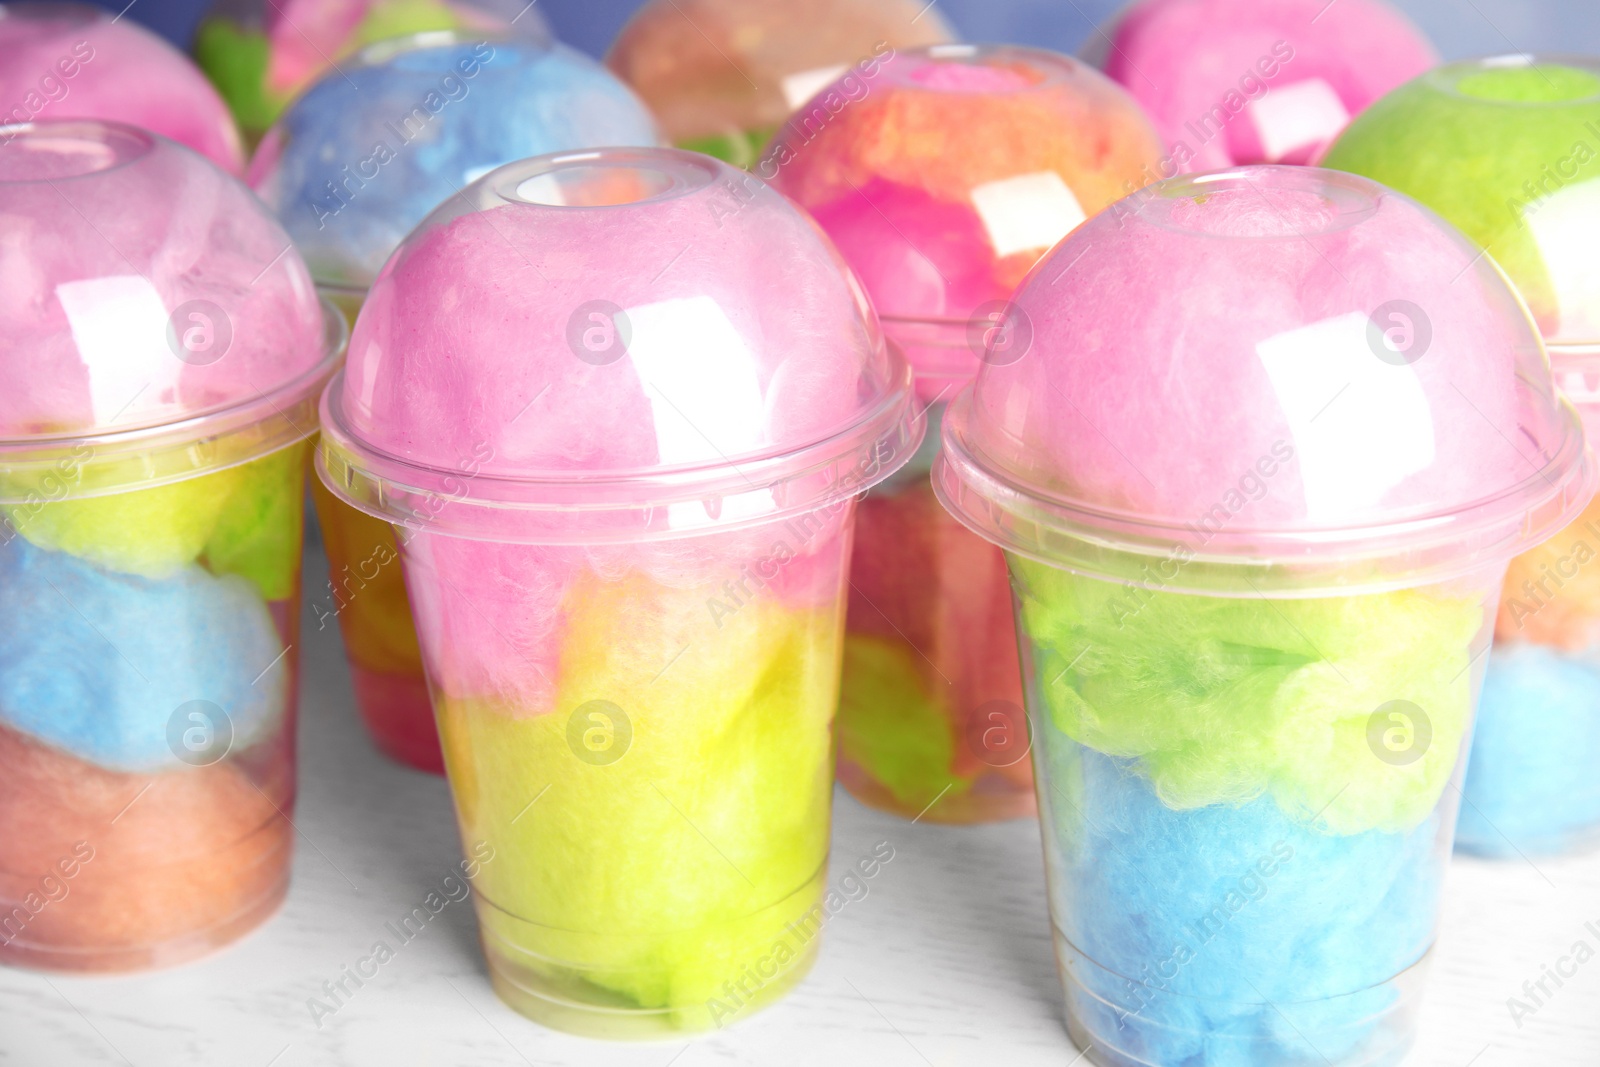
{"points": [[723, 74], [369, 150], [622, 344], [149, 298], [263, 52], [947, 181], [1270, 379], [73, 61], [1232, 82], [1508, 149]]}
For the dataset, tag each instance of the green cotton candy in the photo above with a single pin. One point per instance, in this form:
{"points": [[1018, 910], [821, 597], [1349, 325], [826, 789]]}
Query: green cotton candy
{"points": [[741, 148], [890, 728], [1223, 700], [402, 18], [236, 60], [243, 520], [148, 532], [259, 532], [1500, 152]]}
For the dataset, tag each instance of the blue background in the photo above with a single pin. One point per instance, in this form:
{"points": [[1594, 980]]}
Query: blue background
{"points": [[1459, 27]]}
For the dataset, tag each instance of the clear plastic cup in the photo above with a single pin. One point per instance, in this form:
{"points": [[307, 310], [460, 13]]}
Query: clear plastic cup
{"points": [[1502, 148], [1232, 82], [723, 75], [498, 99], [260, 54], [942, 187], [619, 433], [1256, 533], [74, 61], [160, 359]]}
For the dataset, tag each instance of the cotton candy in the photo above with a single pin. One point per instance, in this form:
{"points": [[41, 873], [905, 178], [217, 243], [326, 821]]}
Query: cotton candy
{"points": [[915, 181], [1468, 140], [724, 74], [258, 534], [942, 185], [1526, 794], [1256, 529], [131, 247], [931, 650], [398, 135], [619, 407], [105, 660], [260, 55], [77, 62], [1520, 182], [1274, 401], [725, 783], [1231, 935], [115, 871], [1257, 81], [1223, 701]]}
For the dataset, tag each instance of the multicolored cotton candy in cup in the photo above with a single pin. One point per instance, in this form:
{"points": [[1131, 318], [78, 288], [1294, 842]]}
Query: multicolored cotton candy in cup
{"points": [[1232, 82], [261, 53], [1257, 539], [942, 187], [73, 61], [619, 414], [161, 351], [1506, 150], [350, 168], [723, 75]]}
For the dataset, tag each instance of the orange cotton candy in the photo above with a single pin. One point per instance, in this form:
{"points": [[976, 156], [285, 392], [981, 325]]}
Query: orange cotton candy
{"points": [[104, 871]]}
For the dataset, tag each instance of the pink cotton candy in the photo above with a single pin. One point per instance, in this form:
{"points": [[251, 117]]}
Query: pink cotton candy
{"points": [[601, 330], [141, 283], [1259, 81], [1220, 342], [952, 176], [70, 61], [463, 350]]}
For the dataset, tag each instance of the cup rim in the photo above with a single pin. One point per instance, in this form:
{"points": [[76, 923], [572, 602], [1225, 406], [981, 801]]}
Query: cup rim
{"points": [[575, 507], [1281, 562]]}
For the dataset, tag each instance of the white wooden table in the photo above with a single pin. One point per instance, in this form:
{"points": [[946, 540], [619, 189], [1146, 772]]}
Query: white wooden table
{"points": [[944, 961]]}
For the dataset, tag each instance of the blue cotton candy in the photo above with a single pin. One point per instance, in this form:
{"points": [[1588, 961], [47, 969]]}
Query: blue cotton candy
{"points": [[353, 165], [1531, 781], [96, 663], [1228, 936]]}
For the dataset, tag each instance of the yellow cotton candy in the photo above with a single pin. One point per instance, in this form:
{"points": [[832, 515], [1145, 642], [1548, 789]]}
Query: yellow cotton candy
{"points": [[677, 833], [148, 532]]}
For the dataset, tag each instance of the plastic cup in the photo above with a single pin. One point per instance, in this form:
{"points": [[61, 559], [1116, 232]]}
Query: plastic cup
{"points": [[1233, 82], [483, 102], [261, 54], [723, 75], [73, 61], [1505, 149], [942, 186], [160, 361], [1257, 536], [619, 433]]}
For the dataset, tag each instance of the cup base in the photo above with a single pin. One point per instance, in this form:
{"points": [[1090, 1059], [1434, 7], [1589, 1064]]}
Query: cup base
{"points": [[533, 994], [1568, 842], [1372, 1028], [124, 959], [398, 714], [973, 807]]}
